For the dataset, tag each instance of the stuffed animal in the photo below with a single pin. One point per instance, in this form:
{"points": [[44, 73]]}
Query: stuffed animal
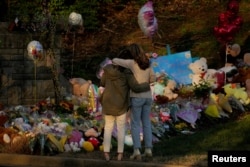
{"points": [[232, 54], [75, 136], [246, 58], [80, 86], [88, 146], [93, 136], [91, 132], [242, 76], [211, 77], [199, 69], [158, 93], [158, 89], [232, 57], [95, 142], [243, 68], [9, 136], [201, 73], [238, 92], [12, 141], [168, 90]]}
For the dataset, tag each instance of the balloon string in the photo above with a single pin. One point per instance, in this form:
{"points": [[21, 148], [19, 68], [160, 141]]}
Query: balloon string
{"points": [[35, 83], [225, 78], [72, 60]]}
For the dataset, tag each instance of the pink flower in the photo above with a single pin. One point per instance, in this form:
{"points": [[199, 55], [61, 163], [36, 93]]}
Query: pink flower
{"points": [[154, 55]]}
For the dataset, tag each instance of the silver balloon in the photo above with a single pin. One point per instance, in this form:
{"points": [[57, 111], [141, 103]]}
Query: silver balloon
{"points": [[35, 50], [75, 19]]}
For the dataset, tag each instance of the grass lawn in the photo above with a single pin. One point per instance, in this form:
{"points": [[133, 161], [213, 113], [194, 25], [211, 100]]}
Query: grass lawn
{"points": [[192, 149]]}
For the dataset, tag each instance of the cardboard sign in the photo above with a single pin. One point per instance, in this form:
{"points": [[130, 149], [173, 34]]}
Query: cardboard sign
{"points": [[175, 66]]}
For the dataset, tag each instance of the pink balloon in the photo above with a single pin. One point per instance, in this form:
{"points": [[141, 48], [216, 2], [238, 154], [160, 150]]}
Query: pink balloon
{"points": [[147, 20]]}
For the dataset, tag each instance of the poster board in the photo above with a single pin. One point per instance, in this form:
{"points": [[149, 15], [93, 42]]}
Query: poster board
{"points": [[175, 66]]}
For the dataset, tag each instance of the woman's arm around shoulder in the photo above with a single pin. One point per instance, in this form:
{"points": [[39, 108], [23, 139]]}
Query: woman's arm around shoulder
{"points": [[134, 85], [127, 63]]}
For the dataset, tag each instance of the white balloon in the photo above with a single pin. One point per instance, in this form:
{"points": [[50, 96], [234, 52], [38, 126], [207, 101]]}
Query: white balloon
{"points": [[35, 50], [75, 19]]}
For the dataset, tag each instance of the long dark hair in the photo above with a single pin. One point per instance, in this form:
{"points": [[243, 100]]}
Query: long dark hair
{"points": [[139, 56], [124, 54]]}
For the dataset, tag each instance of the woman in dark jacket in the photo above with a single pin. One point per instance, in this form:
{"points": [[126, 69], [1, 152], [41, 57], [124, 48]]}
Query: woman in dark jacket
{"points": [[117, 82]]}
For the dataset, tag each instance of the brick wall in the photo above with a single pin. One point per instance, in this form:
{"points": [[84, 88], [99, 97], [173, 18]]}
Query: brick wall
{"points": [[23, 80]]}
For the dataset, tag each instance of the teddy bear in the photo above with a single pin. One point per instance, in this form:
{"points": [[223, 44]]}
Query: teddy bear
{"points": [[80, 86], [92, 135], [246, 58], [201, 73], [12, 141], [199, 69], [243, 69], [232, 57], [242, 76], [9, 136], [233, 54], [168, 90]]}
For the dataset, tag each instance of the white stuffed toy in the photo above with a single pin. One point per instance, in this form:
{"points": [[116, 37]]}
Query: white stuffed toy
{"points": [[158, 89], [168, 90], [201, 73]]}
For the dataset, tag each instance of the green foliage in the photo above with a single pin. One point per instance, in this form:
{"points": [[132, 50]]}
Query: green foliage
{"points": [[34, 11], [24, 10], [57, 8], [91, 10]]}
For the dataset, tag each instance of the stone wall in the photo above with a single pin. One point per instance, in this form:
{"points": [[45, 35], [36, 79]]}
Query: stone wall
{"points": [[23, 80]]}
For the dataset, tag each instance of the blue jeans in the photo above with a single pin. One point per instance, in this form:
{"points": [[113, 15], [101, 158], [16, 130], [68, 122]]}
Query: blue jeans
{"points": [[140, 115]]}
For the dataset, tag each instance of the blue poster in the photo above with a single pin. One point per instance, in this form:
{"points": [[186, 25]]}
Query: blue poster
{"points": [[175, 66]]}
